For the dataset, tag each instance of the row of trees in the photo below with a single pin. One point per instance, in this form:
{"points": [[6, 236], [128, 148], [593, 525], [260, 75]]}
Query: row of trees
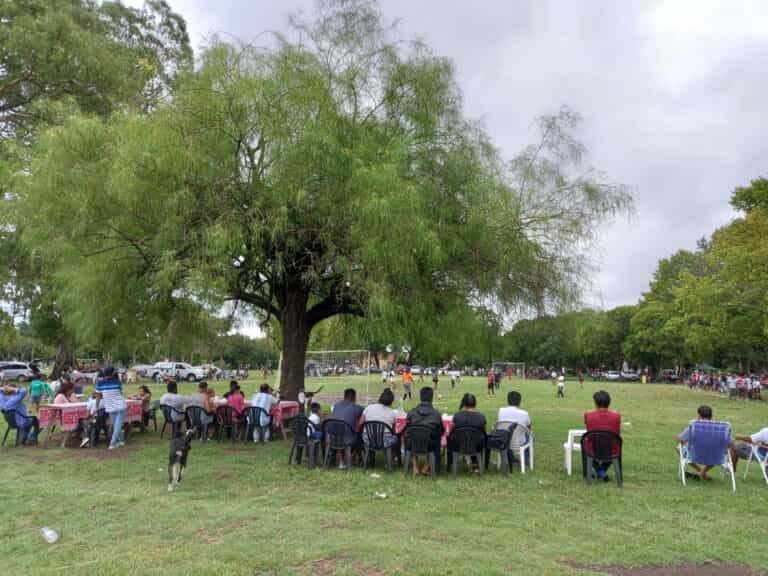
{"points": [[707, 306], [329, 173]]}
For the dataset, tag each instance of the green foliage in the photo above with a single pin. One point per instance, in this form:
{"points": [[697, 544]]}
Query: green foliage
{"points": [[334, 174], [748, 198]]}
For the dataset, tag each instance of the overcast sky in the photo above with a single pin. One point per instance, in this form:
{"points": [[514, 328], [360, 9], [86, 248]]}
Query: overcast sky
{"points": [[673, 93]]}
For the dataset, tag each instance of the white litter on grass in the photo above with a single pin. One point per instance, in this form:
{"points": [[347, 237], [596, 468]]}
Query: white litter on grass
{"points": [[380, 495], [159, 469], [627, 423], [374, 475]]}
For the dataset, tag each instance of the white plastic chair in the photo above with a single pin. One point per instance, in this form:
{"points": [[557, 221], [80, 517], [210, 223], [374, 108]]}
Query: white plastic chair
{"points": [[727, 463], [522, 442], [761, 459], [571, 446]]}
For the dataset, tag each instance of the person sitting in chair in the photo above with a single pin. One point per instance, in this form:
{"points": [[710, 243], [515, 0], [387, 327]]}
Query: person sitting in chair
{"points": [[29, 426], [743, 448], [704, 414], [602, 419], [513, 413], [467, 416], [350, 412], [426, 415]]}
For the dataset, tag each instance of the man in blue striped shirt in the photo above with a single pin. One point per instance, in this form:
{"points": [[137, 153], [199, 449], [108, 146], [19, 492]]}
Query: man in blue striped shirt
{"points": [[110, 397]]}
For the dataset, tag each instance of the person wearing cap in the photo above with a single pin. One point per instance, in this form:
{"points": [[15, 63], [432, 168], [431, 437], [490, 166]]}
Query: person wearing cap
{"points": [[110, 397]]}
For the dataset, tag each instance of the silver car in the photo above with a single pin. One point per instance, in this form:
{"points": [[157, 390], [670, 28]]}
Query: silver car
{"points": [[18, 371]]}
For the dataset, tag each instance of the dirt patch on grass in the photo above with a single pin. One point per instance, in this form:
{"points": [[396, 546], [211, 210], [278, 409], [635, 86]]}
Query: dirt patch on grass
{"points": [[330, 565], [333, 525], [685, 569]]}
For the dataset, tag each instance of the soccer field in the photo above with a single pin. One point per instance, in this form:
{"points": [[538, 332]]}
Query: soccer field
{"points": [[244, 511]]}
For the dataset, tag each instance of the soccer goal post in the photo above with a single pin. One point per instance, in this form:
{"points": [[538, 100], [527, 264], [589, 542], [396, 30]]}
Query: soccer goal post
{"points": [[510, 369], [337, 370]]}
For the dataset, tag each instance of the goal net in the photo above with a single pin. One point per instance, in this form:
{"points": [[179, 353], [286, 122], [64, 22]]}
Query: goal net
{"points": [[510, 369], [336, 370]]}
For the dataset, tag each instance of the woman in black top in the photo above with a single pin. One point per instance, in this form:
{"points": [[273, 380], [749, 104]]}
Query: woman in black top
{"points": [[467, 416]]}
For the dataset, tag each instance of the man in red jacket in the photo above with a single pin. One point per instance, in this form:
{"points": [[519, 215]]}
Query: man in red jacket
{"points": [[602, 419]]}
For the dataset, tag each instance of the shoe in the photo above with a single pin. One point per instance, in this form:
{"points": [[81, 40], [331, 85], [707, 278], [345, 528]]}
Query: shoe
{"points": [[111, 447], [342, 467], [606, 478], [120, 444], [84, 443]]}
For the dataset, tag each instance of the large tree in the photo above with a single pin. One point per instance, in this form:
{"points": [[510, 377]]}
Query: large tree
{"points": [[60, 56], [325, 175]]}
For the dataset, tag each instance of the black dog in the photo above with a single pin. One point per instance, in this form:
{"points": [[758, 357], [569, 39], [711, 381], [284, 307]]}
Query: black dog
{"points": [[177, 458]]}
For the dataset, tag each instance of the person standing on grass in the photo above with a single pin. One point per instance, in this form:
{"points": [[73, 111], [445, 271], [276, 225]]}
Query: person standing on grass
{"points": [[491, 383], [435, 378], [110, 397], [602, 419], [407, 383], [392, 383], [581, 379], [38, 389], [13, 399], [561, 386]]}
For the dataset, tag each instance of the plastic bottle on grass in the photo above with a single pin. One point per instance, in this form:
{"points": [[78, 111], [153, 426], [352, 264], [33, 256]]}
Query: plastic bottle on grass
{"points": [[49, 534]]}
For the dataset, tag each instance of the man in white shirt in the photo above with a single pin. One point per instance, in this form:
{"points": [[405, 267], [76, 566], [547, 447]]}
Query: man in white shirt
{"points": [[561, 386], [513, 412], [743, 447]]}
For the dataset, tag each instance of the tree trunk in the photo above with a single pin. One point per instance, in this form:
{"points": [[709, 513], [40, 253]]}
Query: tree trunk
{"points": [[295, 330], [64, 357]]}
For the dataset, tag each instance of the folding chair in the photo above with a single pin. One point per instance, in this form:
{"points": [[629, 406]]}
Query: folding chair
{"points": [[467, 441], [303, 440], [338, 435], [255, 418], [417, 440], [10, 419], [374, 435], [194, 417], [522, 442], [759, 455], [708, 445], [169, 417], [601, 446]]}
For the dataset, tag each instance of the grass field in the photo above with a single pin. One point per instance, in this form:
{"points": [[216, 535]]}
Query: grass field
{"points": [[243, 511]]}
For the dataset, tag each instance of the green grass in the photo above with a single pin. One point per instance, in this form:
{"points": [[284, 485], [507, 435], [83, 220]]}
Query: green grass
{"points": [[244, 511]]}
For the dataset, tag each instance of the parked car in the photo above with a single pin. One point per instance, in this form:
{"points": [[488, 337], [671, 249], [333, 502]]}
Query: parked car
{"points": [[181, 369], [18, 371], [669, 375], [630, 375], [416, 370], [612, 376]]}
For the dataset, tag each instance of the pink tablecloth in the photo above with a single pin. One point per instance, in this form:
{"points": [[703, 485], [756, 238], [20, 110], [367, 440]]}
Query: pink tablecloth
{"points": [[66, 416], [447, 427], [283, 410]]}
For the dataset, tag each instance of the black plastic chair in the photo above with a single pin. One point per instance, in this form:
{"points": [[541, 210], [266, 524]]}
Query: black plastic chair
{"points": [[194, 416], [418, 440], [228, 420], [10, 419], [254, 421], [100, 424], [302, 430], [338, 435], [601, 446], [151, 414], [169, 414], [467, 441], [498, 441], [374, 435]]}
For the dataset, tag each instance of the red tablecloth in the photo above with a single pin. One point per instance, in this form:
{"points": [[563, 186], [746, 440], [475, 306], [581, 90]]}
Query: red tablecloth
{"points": [[447, 427], [66, 416]]}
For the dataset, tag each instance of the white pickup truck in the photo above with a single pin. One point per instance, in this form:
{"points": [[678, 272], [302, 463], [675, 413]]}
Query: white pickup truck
{"points": [[182, 369]]}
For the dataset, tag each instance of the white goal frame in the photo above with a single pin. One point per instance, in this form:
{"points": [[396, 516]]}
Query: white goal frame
{"points": [[518, 368], [364, 356]]}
